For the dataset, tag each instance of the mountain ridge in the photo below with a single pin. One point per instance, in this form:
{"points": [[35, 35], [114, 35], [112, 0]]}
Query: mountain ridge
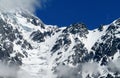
{"points": [[44, 50]]}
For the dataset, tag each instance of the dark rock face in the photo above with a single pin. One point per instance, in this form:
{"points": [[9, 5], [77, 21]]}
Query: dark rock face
{"points": [[78, 28], [8, 46], [9, 35], [109, 47], [37, 36], [5, 52], [80, 51], [6, 31], [63, 40], [26, 45], [100, 28], [117, 21]]}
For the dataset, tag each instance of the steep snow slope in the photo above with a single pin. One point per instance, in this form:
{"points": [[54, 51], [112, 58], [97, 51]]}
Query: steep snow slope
{"points": [[93, 36], [37, 56], [44, 51]]}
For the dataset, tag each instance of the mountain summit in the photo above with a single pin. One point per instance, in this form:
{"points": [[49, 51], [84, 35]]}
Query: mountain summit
{"points": [[31, 49]]}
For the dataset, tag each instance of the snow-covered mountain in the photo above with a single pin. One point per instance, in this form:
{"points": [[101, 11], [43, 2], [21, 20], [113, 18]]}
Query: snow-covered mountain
{"points": [[36, 50]]}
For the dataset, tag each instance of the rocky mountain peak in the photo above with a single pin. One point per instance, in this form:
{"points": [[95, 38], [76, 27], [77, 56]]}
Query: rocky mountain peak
{"points": [[27, 43], [117, 22], [78, 28]]}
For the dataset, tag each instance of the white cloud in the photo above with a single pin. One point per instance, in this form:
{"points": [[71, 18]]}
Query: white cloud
{"points": [[80, 71], [12, 72], [30, 5], [89, 67], [63, 71], [6, 71], [114, 66]]}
